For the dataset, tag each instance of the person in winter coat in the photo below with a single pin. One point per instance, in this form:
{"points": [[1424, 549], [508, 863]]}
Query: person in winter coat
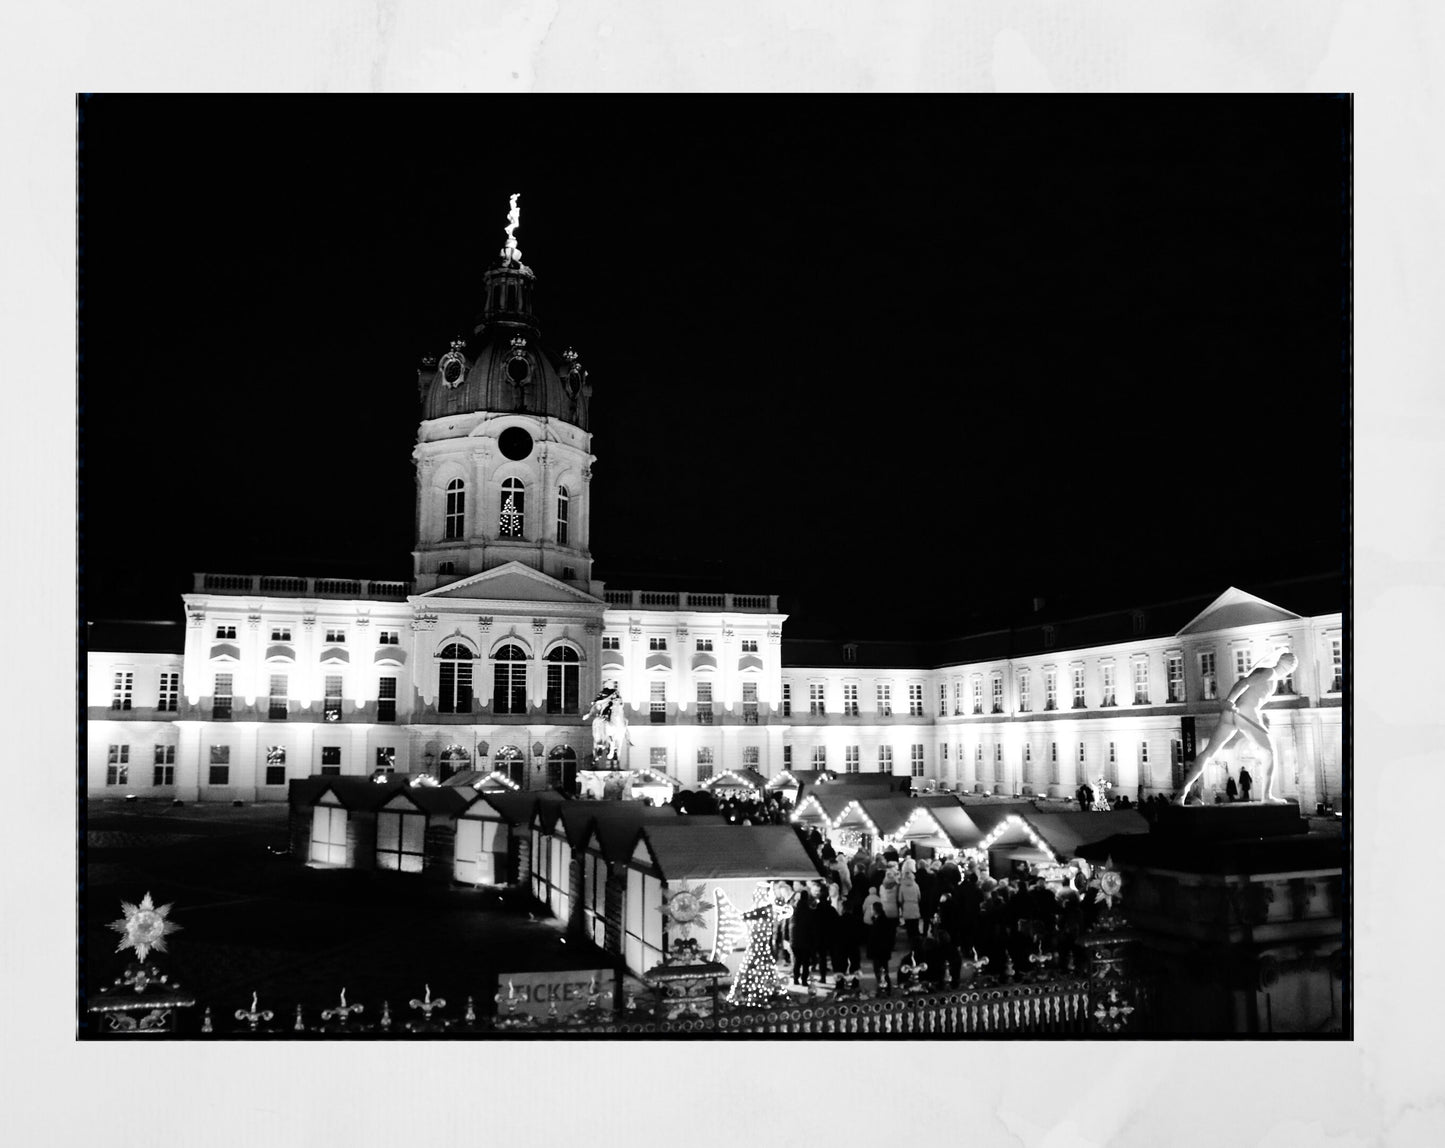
{"points": [[940, 953], [888, 894], [869, 902], [910, 901], [839, 869], [880, 944], [848, 942], [825, 934], [804, 938]]}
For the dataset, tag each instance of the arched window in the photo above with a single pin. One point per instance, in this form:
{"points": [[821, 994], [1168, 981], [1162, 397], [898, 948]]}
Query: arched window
{"points": [[454, 759], [562, 768], [514, 508], [456, 508], [509, 681], [454, 694], [562, 500], [562, 671], [510, 761]]}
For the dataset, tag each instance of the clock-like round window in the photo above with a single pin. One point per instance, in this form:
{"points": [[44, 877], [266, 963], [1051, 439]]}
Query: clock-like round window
{"points": [[518, 370], [452, 372], [515, 443]]}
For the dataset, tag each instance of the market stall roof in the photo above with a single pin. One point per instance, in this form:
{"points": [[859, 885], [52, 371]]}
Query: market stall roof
{"points": [[747, 777], [481, 779], [872, 782], [547, 809], [797, 778], [649, 776], [1065, 832], [578, 818], [987, 814], [614, 837], [957, 825], [718, 852], [440, 800], [513, 808], [354, 793], [893, 816]]}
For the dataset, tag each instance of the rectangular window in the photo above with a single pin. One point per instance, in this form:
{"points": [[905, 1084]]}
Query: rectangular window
{"points": [[454, 691], [1241, 663], [1108, 699], [220, 767], [1078, 688], [820, 757], [945, 751], [331, 759], [915, 761], [850, 700], [386, 699], [850, 759], [750, 645], [611, 643], [331, 706], [787, 756], [704, 771], [227, 633], [388, 637], [562, 508], [977, 696], [997, 694], [957, 698], [658, 707], [1054, 763], [815, 698], [221, 698], [657, 757], [165, 765], [386, 758], [704, 703], [751, 755], [1025, 702], [915, 699], [704, 755], [1176, 762], [1286, 684], [1081, 753], [170, 692], [277, 705], [400, 841], [657, 643], [336, 637], [120, 697], [1337, 666], [1051, 690], [787, 699], [455, 509], [942, 699], [117, 765], [275, 765], [885, 699], [1207, 677], [1141, 683], [885, 759], [280, 633], [1111, 773], [1143, 753], [750, 703], [1176, 678], [704, 645]]}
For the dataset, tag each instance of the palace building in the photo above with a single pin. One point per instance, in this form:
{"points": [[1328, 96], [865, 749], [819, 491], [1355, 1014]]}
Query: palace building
{"points": [[490, 657]]}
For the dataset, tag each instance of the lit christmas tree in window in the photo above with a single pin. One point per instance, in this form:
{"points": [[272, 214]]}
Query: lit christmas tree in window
{"points": [[511, 520]]}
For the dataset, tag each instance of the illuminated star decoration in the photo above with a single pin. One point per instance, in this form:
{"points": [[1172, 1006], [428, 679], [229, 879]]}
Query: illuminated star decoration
{"points": [[143, 928], [685, 908], [1109, 882]]}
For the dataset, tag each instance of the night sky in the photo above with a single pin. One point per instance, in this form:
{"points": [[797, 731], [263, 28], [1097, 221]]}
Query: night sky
{"points": [[907, 361]]}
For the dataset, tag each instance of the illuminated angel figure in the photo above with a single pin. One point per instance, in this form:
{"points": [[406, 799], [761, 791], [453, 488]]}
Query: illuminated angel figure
{"points": [[757, 981], [609, 724]]}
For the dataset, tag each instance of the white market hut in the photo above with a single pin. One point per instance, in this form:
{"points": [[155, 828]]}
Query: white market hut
{"points": [[746, 783], [654, 784], [1032, 839], [492, 832], [724, 860]]}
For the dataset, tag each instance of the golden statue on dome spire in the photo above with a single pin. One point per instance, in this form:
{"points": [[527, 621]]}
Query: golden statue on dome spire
{"points": [[511, 252]]}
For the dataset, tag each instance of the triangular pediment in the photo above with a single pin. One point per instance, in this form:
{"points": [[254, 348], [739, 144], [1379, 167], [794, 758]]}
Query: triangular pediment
{"points": [[1235, 608], [510, 582]]}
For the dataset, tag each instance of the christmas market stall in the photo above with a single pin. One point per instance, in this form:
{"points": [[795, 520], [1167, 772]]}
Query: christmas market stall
{"points": [[492, 846], [722, 865], [337, 821], [791, 784], [745, 784], [1023, 842], [495, 781], [653, 785]]}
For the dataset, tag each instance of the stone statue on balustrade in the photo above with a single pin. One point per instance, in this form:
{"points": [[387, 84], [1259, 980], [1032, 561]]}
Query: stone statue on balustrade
{"points": [[609, 727], [1242, 716]]}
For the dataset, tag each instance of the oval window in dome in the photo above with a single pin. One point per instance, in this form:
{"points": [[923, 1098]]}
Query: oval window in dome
{"points": [[518, 370], [452, 372], [515, 443]]}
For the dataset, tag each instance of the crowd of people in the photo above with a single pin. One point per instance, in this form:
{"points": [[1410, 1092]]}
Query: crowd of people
{"points": [[901, 912]]}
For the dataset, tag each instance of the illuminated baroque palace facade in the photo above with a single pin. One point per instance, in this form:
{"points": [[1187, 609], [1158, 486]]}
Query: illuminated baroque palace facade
{"points": [[491, 656]]}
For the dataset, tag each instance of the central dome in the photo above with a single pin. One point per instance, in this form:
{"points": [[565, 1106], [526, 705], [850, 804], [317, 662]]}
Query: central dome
{"points": [[502, 367]]}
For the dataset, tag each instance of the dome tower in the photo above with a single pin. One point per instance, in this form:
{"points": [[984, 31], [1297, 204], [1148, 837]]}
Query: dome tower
{"points": [[502, 454]]}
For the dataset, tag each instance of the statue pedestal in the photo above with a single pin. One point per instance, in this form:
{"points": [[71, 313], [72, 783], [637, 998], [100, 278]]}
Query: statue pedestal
{"points": [[1230, 821]]}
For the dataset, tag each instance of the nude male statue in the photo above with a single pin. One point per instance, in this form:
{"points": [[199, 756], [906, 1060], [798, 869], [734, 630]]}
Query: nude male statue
{"points": [[1243, 716]]}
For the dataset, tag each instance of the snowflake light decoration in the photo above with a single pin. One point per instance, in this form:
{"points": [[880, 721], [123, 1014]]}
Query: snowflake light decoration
{"points": [[685, 908], [144, 927], [1109, 882]]}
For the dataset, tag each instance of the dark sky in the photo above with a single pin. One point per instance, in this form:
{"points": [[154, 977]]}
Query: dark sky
{"points": [[895, 358]]}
